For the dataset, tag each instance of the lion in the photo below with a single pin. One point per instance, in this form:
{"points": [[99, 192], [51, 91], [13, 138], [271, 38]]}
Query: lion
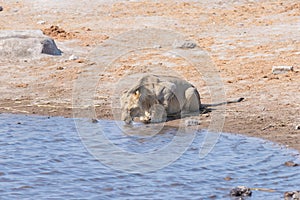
{"points": [[157, 98]]}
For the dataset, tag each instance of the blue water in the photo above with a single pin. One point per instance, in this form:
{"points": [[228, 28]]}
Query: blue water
{"points": [[44, 158]]}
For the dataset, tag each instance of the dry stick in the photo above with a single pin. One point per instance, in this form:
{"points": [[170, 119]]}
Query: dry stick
{"points": [[263, 189], [13, 109]]}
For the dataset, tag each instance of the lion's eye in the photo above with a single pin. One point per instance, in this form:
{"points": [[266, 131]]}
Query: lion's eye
{"points": [[133, 110]]}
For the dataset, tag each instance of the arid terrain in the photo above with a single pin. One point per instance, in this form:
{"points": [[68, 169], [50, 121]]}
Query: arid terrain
{"points": [[243, 38]]}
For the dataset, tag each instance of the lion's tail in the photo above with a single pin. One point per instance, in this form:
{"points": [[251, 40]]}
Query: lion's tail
{"points": [[203, 106]]}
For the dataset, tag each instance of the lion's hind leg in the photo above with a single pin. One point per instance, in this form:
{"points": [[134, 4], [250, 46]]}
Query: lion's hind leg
{"points": [[192, 103], [158, 113]]}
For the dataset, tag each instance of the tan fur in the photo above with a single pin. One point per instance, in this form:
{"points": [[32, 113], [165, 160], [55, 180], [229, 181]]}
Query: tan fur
{"points": [[156, 98]]}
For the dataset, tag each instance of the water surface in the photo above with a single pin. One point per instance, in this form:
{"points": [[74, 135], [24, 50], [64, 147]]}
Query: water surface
{"points": [[43, 158]]}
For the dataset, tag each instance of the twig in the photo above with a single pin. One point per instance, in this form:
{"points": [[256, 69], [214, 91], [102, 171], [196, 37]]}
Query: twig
{"points": [[263, 189]]}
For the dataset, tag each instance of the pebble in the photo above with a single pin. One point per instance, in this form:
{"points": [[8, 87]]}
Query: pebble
{"points": [[184, 45], [297, 127], [41, 22], [241, 191], [192, 122], [291, 164], [157, 46], [228, 178], [93, 120], [1, 8], [73, 57], [281, 69], [60, 68]]}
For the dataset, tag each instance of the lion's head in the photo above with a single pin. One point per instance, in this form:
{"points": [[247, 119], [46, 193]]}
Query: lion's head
{"points": [[130, 106], [137, 103]]}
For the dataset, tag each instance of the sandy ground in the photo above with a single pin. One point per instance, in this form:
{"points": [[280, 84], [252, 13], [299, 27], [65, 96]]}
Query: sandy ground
{"points": [[244, 39]]}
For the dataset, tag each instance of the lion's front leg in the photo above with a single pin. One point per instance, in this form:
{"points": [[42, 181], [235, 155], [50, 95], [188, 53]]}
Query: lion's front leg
{"points": [[158, 113]]}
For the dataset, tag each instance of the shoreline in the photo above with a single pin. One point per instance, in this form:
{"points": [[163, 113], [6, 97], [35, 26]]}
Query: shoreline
{"points": [[232, 123]]}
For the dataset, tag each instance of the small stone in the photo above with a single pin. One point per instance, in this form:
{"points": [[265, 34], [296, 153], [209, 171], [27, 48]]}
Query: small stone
{"points": [[241, 191], [73, 57], [281, 69], [227, 178], [297, 127], [94, 120], [80, 61], [1, 8], [184, 45], [60, 68], [291, 164], [157, 46], [41, 22], [192, 122]]}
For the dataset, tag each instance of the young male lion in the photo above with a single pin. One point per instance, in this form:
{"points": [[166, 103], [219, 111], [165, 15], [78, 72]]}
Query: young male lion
{"points": [[156, 98]]}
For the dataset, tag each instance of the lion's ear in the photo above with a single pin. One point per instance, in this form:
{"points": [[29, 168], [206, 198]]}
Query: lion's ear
{"points": [[137, 94]]}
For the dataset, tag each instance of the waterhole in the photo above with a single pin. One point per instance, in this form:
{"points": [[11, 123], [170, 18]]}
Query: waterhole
{"points": [[44, 158]]}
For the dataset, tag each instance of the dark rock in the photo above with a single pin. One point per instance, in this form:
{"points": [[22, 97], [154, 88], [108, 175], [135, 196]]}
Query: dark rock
{"points": [[49, 47], [25, 45], [241, 191], [94, 120], [293, 195], [1, 8]]}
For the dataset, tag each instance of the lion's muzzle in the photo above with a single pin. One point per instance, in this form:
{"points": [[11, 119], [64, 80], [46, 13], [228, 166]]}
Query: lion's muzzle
{"points": [[126, 118]]}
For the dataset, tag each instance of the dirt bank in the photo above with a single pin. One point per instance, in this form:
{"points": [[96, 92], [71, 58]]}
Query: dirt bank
{"points": [[244, 39]]}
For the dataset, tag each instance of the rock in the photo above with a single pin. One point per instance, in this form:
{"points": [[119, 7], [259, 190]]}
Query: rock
{"points": [[241, 191], [27, 44], [293, 195], [49, 47], [228, 178], [184, 45], [41, 22], [297, 127], [60, 68], [192, 122], [291, 164], [157, 46], [73, 57], [1, 8], [281, 69], [94, 120]]}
